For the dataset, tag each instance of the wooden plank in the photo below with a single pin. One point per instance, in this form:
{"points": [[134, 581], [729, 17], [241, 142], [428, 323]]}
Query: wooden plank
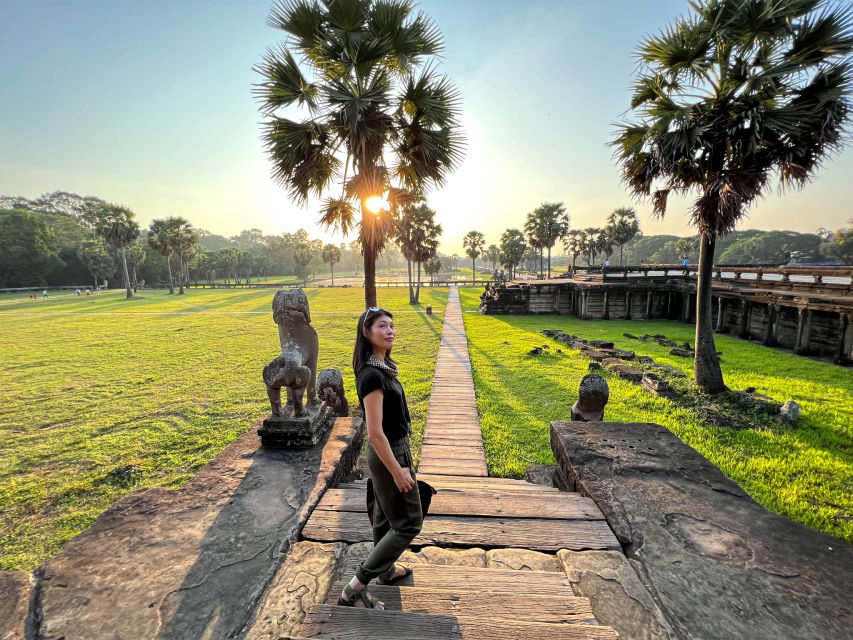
{"points": [[529, 533], [454, 468], [564, 506], [489, 604], [351, 623], [454, 484], [430, 576]]}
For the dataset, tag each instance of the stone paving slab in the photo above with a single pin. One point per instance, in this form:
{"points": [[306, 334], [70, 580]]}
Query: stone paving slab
{"points": [[191, 562], [718, 564]]}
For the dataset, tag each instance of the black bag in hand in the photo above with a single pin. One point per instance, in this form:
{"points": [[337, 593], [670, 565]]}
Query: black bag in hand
{"points": [[426, 490]]}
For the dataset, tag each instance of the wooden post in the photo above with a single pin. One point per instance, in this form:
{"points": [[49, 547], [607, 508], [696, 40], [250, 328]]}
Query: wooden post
{"points": [[668, 304], [771, 322], [799, 341], [744, 319], [627, 305], [842, 338], [604, 313], [557, 301], [649, 295], [721, 312]]}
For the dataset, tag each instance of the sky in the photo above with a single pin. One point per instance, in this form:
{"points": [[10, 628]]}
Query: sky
{"points": [[149, 104]]}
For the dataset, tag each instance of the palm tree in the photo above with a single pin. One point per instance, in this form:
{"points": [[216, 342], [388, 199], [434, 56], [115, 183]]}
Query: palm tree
{"points": [[575, 244], [331, 255], [493, 255], [117, 227], [184, 240], [474, 242], [595, 242], [93, 255], [372, 94], [622, 227], [432, 267], [512, 247], [546, 224], [684, 246], [135, 257], [303, 256], [725, 98], [417, 236], [161, 239]]}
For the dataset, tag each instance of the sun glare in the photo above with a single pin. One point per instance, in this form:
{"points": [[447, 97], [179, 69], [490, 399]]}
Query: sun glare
{"points": [[375, 204]]}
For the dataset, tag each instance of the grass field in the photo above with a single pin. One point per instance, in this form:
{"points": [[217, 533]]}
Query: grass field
{"points": [[100, 395], [803, 472]]}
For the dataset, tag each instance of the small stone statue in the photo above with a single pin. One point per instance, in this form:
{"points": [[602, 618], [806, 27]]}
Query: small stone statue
{"points": [[285, 371], [299, 347], [330, 389], [303, 420], [593, 395]]}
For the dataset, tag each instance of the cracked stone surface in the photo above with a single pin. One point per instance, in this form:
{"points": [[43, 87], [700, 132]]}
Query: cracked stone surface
{"points": [[616, 594], [191, 562], [717, 564], [15, 589], [521, 560], [303, 579]]}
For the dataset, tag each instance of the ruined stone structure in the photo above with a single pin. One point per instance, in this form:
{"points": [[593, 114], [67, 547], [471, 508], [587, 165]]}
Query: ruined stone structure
{"points": [[806, 309]]}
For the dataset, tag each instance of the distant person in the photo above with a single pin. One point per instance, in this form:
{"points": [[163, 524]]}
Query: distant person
{"points": [[88, 292], [685, 262], [78, 293], [44, 294], [607, 262]]}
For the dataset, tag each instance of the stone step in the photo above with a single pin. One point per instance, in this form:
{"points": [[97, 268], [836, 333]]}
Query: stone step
{"points": [[489, 603], [463, 501], [350, 623], [539, 534]]}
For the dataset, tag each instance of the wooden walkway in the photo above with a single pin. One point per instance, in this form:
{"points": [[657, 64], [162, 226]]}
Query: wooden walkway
{"points": [[453, 442], [469, 510]]}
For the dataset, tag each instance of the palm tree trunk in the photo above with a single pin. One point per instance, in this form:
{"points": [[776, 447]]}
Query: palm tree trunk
{"points": [[124, 272], [181, 277], [620, 255], [369, 277], [541, 265], [474, 270], [706, 367], [169, 264], [411, 284], [549, 263], [418, 290], [135, 281], [332, 268]]}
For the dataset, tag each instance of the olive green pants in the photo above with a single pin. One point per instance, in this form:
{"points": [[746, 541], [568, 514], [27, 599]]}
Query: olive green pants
{"points": [[397, 516]]}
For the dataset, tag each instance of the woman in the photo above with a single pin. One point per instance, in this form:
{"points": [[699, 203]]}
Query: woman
{"points": [[397, 515]]}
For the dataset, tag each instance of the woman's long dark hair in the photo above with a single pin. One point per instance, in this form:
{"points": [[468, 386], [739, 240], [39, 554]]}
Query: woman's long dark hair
{"points": [[363, 347]]}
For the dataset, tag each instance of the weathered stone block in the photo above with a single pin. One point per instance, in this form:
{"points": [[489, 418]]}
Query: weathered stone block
{"points": [[616, 594], [655, 383], [720, 565], [521, 560], [15, 590], [681, 353], [627, 372], [601, 344], [287, 432]]}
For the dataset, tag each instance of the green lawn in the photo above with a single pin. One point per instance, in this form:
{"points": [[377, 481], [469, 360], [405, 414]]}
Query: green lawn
{"points": [[804, 472], [100, 395]]}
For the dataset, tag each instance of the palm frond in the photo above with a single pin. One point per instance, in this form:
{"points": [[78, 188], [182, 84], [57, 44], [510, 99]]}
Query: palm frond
{"points": [[302, 20], [339, 214], [284, 83]]}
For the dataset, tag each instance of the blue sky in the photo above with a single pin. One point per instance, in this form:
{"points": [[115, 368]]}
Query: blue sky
{"points": [[149, 104]]}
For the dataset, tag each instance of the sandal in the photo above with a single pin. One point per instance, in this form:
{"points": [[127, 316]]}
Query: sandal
{"points": [[389, 578], [367, 600]]}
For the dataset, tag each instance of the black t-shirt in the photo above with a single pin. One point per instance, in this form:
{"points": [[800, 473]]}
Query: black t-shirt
{"points": [[396, 420]]}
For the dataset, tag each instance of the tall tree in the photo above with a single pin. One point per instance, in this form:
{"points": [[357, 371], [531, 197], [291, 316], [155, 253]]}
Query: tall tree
{"points": [[512, 247], [684, 247], [622, 227], [135, 258], [160, 239], [724, 99], [474, 242], [28, 251], [372, 95], [838, 244], [93, 254], [117, 227], [331, 256], [575, 244], [595, 242], [304, 256], [546, 224], [493, 255], [417, 236], [432, 268]]}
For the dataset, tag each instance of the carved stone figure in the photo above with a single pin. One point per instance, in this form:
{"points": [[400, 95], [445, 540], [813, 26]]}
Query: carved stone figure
{"points": [[285, 371], [330, 389], [299, 346], [593, 395]]}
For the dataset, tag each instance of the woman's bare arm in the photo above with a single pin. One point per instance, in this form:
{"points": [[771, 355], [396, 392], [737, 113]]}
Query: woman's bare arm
{"points": [[373, 415]]}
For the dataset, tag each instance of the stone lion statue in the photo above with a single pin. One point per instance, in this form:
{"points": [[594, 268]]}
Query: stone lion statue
{"points": [[330, 389], [296, 367]]}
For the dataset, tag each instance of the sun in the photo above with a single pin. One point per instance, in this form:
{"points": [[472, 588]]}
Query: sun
{"points": [[375, 204]]}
